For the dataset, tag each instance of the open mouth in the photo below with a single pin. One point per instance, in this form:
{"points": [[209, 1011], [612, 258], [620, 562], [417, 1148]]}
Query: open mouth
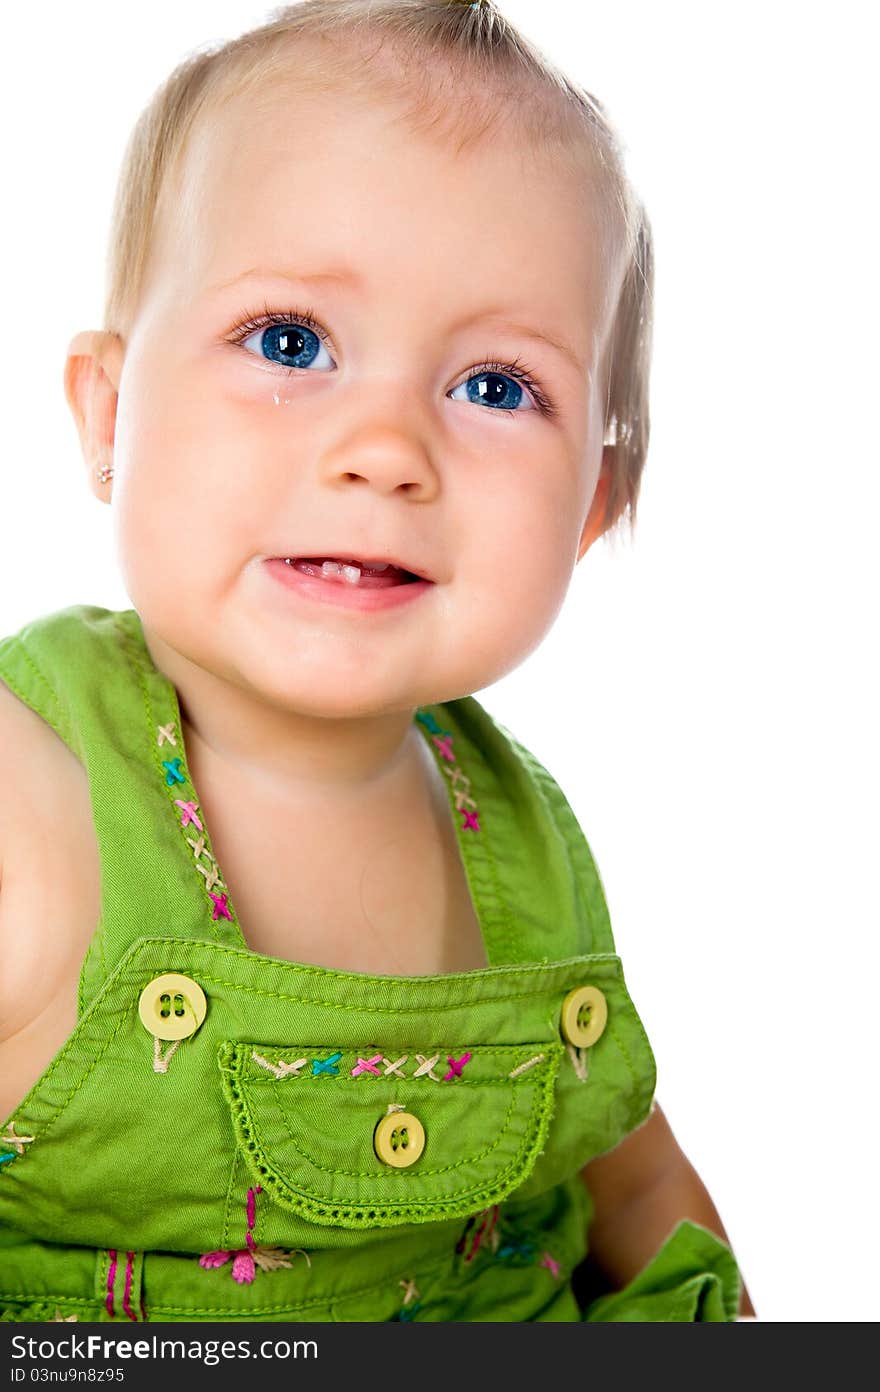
{"points": [[373, 575]]}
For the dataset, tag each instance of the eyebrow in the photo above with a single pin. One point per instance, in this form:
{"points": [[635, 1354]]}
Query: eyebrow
{"points": [[344, 275], [499, 320]]}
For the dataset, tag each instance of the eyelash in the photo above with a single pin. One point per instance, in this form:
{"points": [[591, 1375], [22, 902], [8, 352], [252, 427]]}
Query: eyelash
{"points": [[517, 369]]}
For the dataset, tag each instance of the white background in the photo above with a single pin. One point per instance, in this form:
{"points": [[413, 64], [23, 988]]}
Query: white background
{"points": [[707, 698]]}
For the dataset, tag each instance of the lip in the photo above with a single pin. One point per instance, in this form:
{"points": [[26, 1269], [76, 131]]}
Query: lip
{"points": [[340, 593], [380, 560]]}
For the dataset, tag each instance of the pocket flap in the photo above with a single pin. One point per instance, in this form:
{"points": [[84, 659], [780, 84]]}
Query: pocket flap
{"points": [[306, 1121]]}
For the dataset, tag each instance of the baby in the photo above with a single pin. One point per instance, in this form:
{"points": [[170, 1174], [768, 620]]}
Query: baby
{"points": [[350, 1040]]}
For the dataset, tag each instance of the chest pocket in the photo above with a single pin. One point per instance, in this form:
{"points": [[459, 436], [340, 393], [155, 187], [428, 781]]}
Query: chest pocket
{"points": [[354, 1139]]}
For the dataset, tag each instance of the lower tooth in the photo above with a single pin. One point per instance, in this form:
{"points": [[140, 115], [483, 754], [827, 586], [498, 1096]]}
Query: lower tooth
{"points": [[352, 574]]}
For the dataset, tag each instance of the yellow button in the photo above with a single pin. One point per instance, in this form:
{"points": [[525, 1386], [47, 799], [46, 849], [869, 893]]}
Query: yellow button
{"points": [[172, 1006], [584, 1013], [399, 1139]]}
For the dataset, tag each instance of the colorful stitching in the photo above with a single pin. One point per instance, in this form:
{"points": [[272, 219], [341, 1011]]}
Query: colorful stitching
{"points": [[578, 1061], [160, 1061], [442, 740], [132, 646], [455, 1066], [410, 1291], [444, 744], [411, 1303], [252, 1214], [280, 1069], [246, 1260], [221, 908], [525, 1250], [111, 1277], [126, 1299], [206, 975], [551, 1264], [18, 1143], [327, 1065], [461, 798], [396, 1066], [426, 718], [366, 1066], [409, 1312], [212, 877], [363, 1067], [172, 772], [426, 1066], [51, 1114], [188, 1311], [457, 776], [460, 1244], [485, 1230], [188, 814], [529, 1063]]}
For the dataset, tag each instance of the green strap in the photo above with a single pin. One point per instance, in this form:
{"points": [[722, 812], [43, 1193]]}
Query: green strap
{"points": [[88, 672], [82, 670], [530, 869]]}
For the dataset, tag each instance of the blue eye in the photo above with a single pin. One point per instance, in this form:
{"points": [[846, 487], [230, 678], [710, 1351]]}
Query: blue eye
{"points": [[290, 345], [295, 341], [495, 389]]}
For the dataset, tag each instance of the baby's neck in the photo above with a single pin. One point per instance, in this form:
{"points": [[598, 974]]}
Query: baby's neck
{"points": [[344, 776], [276, 752]]}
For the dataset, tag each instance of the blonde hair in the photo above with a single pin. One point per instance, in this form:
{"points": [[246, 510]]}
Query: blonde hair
{"points": [[471, 44]]}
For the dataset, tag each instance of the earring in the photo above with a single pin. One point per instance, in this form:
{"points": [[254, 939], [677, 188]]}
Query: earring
{"points": [[105, 473]]}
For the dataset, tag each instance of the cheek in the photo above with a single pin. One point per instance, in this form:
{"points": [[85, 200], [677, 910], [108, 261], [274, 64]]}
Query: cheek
{"points": [[503, 619], [519, 569], [527, 513], [186, 467]]}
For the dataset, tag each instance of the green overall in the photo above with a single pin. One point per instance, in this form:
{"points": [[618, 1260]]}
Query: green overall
{"points": [[228, 1136]]}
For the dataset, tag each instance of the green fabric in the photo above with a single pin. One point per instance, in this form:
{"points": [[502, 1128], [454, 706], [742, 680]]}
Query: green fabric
{"points": [[674, 1287], [134, 1173]]}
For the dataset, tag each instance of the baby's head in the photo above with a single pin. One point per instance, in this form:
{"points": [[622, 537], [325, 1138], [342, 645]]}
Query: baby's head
{"points": [[378, 288]]}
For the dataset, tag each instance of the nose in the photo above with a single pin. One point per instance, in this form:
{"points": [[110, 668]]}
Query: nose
{"points": [[388, 458]]}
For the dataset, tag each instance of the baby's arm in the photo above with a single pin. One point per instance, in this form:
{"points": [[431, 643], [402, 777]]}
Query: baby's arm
{"points": [[640, 1191]]}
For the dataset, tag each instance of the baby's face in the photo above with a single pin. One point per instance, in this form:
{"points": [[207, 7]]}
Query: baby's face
{"points": [[380, 431]]}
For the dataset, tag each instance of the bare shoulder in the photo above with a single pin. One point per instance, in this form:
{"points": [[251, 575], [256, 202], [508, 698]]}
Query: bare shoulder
{"points": [[43, 791], [30, 753], [49, 868], [16, 736]]}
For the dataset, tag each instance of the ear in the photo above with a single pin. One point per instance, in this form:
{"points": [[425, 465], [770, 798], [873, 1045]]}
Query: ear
{"points": [[92, 372], [597, 522]]}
